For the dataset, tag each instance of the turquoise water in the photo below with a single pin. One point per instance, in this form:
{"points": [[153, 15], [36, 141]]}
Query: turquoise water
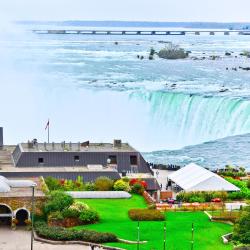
{"points": [[91, 88]]}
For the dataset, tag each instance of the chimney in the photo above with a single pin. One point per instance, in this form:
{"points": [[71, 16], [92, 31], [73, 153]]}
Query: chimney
{"points": [[1, 137], [117, 143]]}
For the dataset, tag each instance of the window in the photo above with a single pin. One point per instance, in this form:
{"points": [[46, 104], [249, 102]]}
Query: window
{"points": [[40, 160], [113, 159], [133, 159], [76, 158]]}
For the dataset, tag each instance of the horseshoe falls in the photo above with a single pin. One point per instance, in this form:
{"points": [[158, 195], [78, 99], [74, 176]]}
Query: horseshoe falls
{"points": [[192, 119]]}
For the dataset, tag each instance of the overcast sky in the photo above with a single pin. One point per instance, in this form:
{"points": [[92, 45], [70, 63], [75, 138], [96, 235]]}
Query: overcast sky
{"points": [[131, 10]]}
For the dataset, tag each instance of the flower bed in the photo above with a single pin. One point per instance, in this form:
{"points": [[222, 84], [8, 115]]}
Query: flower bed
{"points": [[60, 233], [146, 215]]}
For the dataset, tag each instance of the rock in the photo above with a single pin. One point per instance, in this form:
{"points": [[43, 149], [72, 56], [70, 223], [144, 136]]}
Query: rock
{"points": [[116, 43], [245, 68], [227, 54]]}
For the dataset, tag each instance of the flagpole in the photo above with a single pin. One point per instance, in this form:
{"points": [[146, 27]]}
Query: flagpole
{"points": [[48, 134]]}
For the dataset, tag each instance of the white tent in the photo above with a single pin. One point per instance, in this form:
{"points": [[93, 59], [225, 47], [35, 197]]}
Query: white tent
{"points": [[195, 178]]}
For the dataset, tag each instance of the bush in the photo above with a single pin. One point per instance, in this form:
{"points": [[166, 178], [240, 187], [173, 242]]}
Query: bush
{"points": [[89, 216], [60, 233], [64, 184], [57, 215], [242, 227], [146, 215], [172, 52], [248, 183], [90, 186], [137, 189], [244, 190], [197, 199], [203, 196], [103, 183], [121, 185], [57, 201], [52, 183]]}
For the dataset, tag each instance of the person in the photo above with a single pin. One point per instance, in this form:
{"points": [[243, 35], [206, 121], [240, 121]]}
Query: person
{"points": [[157, 174]]}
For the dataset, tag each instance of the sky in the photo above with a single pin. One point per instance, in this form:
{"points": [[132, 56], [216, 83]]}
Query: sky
{"points": [[127, 10]]}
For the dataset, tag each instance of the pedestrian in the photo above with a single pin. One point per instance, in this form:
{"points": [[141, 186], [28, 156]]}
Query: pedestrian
{"points": [[157, 174]]}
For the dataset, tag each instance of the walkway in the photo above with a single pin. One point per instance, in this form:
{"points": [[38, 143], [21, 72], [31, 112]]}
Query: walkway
{"points": [[20, 240]]}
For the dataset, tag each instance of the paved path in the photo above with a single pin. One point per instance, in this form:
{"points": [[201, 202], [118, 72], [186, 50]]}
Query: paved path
{"points": [[20, 240]]}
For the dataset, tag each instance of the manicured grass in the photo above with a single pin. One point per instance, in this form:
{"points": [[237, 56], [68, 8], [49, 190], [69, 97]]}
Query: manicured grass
{"points": [[114, 218]]}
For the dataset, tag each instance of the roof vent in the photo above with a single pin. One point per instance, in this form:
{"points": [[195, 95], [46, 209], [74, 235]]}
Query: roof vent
{"points": [[1, 137], [117, 143], [85, 144]]}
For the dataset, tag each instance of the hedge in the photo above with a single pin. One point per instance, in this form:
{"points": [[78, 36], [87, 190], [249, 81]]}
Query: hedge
{"points": [[146, 215], [63, 234]]}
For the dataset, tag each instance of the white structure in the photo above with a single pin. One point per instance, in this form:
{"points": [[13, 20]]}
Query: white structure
{"points": [[195, 178], [99, 194], [6, 184]]}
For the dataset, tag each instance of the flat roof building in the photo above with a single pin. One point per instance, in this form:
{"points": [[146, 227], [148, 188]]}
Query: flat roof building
{"points": [[92, 156]]}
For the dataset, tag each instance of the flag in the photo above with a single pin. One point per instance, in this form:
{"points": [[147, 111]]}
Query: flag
{"points": [[47, 125]]}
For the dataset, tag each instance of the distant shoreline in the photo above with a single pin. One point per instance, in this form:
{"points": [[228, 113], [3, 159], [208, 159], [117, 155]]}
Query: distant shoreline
{"points": [[200, 25]]}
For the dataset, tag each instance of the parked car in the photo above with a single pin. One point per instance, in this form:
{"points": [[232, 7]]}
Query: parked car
{"points": [[216, 200]]}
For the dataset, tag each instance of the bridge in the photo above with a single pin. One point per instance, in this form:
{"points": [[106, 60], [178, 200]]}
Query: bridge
{"points": [[141, 32]]}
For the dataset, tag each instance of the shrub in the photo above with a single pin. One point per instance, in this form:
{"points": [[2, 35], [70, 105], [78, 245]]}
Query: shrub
{"points": [[172, 52], [121, 185], [52, 183], [248, 183], [244, 190], [64, 184], [242, 227], [137, 189], [89, 216], [74, 210], [103, 183], [126, 179], [146, 215], [201, 196], [197, 199], [57, 201], [57, 215], [60, 233], [90, 186]]}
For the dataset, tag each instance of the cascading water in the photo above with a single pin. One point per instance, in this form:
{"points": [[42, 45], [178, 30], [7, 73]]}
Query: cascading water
{"points": [[192, 119]]}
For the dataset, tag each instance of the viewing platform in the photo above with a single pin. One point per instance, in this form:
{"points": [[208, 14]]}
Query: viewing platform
{"points": [[141, 32]]}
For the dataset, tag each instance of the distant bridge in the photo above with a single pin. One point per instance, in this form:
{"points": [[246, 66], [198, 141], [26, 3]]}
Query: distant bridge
{"points": [[141, 32]]}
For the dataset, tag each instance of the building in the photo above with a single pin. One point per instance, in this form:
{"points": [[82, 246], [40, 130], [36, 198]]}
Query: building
{"points": [[70, 160], [117, 155], [195, 178]]}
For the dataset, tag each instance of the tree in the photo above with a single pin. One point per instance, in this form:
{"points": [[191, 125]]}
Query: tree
{"points": [[241, 232]]}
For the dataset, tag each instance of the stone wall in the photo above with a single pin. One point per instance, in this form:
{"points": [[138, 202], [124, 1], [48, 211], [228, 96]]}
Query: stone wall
{"points": [[23, 202]]}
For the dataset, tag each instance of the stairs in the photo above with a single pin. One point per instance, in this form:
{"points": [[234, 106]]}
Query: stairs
{"points": [[5, 157]]}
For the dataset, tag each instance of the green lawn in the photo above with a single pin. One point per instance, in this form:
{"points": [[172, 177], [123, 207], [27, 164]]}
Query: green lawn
{"points": [[114, 218]]}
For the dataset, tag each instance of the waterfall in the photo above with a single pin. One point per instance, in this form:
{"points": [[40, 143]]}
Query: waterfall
{"points": [[192, 119]]}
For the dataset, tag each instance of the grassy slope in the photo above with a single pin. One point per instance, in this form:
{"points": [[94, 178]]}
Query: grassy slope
{"points": [[114, 218]]}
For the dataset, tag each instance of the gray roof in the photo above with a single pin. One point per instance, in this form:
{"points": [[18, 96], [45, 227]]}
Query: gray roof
{"points": [[75, 147]]}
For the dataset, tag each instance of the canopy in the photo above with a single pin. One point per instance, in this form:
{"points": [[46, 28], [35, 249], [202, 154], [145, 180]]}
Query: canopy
{"points": [[195, 178], [6, 184]]}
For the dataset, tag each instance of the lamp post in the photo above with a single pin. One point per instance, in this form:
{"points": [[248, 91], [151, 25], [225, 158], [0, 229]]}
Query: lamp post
{"points": [[32, 215], [165, 229]]}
